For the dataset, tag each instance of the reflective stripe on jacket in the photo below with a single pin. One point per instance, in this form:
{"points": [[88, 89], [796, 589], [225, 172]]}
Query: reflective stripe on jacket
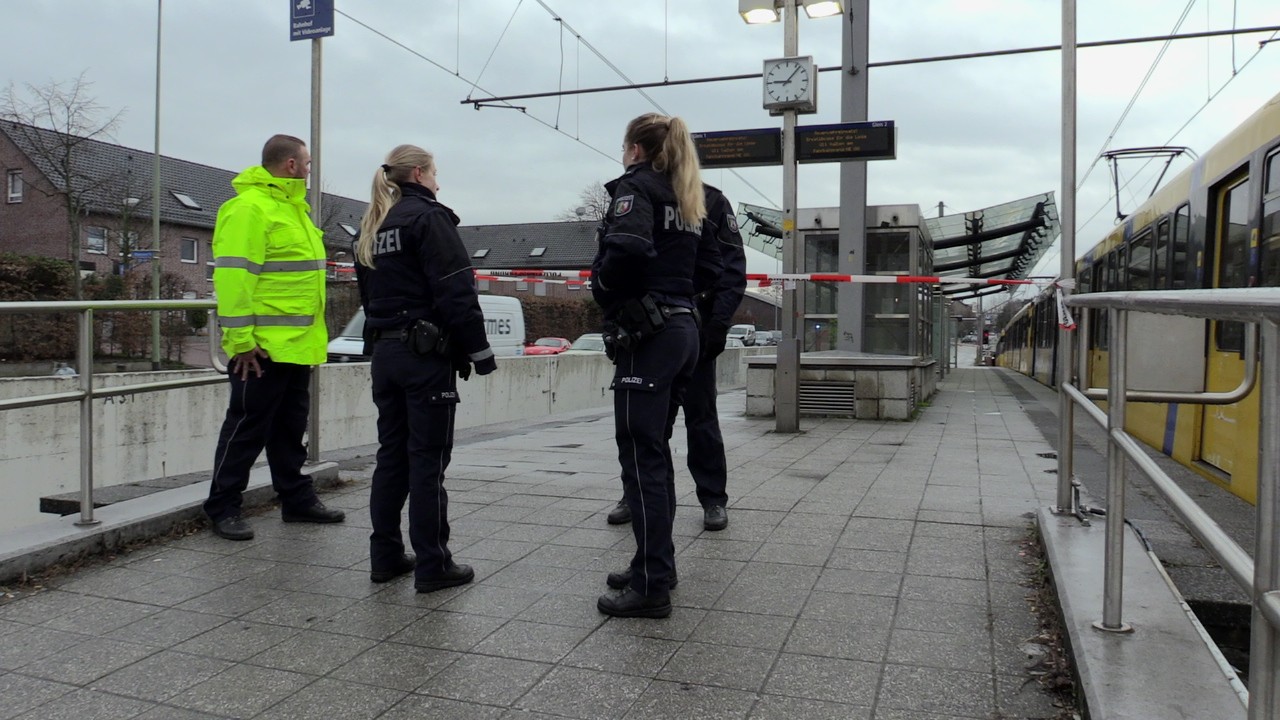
{"points": [[269, 270]]}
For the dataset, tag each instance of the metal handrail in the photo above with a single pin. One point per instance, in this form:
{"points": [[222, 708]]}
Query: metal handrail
{"points": [[84, 366], [1259, 576]]}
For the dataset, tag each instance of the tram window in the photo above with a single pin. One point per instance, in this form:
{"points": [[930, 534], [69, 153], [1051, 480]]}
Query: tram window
{"points": [[1178, 250], [1232, 262], [1098, 322], [1140, 262], [1160, 258], [1269, 273]]}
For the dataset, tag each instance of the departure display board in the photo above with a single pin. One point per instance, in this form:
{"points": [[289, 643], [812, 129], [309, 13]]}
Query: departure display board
{"points": [[739, 148], [846, 141]]}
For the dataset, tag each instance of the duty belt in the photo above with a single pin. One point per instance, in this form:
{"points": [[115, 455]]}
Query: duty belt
{"points": [[669, 310]]}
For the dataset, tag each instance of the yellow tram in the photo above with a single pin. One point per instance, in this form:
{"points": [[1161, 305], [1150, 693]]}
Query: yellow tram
{"points": [[1215, 225]]}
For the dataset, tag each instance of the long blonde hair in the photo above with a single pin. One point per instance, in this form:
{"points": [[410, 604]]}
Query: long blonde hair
{"points": [[397, 168], [669, 146]]}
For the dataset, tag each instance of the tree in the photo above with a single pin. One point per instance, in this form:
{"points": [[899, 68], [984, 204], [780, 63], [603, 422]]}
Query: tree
{"points": [[595, 203], [55, 120]]}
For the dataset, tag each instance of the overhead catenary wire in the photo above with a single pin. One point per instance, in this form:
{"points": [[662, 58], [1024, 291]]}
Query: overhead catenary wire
{"points": [[475, 86]]}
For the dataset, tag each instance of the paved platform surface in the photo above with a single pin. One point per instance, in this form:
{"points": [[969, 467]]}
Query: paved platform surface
{"points": [[870, 570]]}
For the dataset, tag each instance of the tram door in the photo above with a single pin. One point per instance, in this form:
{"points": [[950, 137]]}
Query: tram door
{"points": [[1224, 365]]}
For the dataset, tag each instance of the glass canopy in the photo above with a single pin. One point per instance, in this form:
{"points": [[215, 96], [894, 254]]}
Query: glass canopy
{"points": [[1000, 242]]}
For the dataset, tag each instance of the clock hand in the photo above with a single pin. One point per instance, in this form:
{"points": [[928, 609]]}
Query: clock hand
{"points": [[793, 73]]}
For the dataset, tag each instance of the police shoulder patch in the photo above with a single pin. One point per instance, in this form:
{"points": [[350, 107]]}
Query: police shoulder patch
{"points": [[732, 221], [623, 205]]}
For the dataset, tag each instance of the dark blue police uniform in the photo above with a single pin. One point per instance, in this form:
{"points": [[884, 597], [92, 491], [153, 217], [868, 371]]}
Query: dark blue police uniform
{"points": [[716, 306], [421, 272], [648, 250]]}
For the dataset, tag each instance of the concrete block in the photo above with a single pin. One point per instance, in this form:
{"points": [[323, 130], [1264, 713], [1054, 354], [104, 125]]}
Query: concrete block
{"points": [[812, 375], [895, 409], [760, 383], [867, 409], [895, 384], [867, 385], [835, 375], [759, 406]]}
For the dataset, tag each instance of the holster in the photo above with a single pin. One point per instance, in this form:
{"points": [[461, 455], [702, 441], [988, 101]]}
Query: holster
{"points": [[637, 319], [423, 338]]}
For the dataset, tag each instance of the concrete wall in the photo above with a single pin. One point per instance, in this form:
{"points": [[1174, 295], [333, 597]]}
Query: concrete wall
{"points": [[155, 435]]}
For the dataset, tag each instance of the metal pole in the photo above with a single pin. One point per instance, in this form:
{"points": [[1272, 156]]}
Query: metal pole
{"points": [[854, 82], [84, 363], [1113, 565], [155, 207], [313, 421], [787, 380], [1067, 249], [1264, 643]]}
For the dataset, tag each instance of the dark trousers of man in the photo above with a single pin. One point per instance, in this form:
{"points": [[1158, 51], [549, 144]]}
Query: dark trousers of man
{"points": [[702, 426], [267, 411], [416, 398], [646, 383]]}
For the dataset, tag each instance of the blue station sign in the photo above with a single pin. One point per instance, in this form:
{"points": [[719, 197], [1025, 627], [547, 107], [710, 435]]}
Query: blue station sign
{"points": [[310, 19]]}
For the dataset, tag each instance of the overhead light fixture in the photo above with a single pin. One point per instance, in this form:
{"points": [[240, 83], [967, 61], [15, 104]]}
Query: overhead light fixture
{"points": [[821, 8], [758, 12]]}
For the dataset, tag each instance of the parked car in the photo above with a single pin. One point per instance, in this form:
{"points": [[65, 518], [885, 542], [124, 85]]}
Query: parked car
{"points": [[588, 343], [547, 346], [733, 342], [770, 337], [745, 333]]}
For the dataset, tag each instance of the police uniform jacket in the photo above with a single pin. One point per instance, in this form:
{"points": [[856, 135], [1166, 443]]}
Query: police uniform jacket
{"points": [[718, 303], [269, 267], [421, 271], [645, 246]]}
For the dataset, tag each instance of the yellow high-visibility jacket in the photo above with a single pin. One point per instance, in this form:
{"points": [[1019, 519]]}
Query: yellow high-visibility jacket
{"points": [[269, 270]]}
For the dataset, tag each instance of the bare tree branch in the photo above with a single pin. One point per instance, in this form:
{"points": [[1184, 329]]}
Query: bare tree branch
{"points": [[55, 121], [595, 203]]}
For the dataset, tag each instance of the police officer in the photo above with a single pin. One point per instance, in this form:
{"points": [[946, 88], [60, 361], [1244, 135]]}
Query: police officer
{"points": [[424, 322], [716, 307], [652, 259]]}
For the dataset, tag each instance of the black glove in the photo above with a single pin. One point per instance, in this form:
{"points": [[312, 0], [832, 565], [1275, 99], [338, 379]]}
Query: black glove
{"points": [[462, 367], [714, 336], [486, 366]]}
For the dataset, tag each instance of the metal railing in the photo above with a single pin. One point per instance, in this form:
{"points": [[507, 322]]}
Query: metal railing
{"points": [[1259, 576], [87, 393]]}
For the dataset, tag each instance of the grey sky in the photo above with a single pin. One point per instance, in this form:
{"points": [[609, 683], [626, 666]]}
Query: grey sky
{"points": [[971, 133]]}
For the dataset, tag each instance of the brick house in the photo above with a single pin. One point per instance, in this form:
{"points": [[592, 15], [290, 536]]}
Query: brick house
{"points": [[113, 188]]}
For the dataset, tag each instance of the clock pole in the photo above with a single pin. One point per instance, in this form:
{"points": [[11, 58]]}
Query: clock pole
{"points": [[787, 380]]}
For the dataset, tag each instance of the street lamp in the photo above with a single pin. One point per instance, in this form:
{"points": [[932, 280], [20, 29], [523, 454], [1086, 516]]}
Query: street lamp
{"points": [[790, 89]]}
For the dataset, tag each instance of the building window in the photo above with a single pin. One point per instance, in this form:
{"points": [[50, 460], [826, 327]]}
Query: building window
{"points": [[96, 239], [537, 252], [187, 201], [348, 229], [14, 184], [189, 250], [480, 253], [208, 264]]}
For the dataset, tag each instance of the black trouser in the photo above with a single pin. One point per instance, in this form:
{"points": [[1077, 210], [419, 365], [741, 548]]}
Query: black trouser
{"points": [[646, 382], [702, 427], [268, 412], [416, 398]]}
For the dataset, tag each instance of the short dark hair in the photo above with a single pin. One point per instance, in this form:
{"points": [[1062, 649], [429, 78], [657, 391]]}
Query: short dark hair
{"points": [[279, 149]]}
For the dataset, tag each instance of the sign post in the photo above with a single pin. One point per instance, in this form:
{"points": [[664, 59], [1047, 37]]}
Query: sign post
{"points": [[313, 20]]}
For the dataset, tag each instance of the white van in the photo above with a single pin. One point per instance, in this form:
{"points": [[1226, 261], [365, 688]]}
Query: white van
{"points": [[503, 324], [745, 333]]}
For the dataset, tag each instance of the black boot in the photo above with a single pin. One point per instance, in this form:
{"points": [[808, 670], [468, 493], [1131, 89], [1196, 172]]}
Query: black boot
{"points": [[622, 578], [621, 514], [632, 604], [404, 564], [453, 576]]}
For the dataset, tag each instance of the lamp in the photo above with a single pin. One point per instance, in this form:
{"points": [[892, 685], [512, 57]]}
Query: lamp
{"points": [[758, 12], [821, 8]]}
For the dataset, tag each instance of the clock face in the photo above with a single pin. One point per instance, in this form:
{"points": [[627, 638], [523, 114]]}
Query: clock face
{"points": [[787, 81]]}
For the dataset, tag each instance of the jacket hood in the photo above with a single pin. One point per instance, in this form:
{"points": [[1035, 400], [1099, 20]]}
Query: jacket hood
{"points": [[294, 189]]}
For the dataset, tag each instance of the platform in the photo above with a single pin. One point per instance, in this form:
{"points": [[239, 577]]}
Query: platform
{"points": [[875, 570]]}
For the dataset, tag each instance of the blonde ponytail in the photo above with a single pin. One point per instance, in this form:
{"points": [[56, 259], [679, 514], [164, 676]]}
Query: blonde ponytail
{"points": [[398, 168], [669, 146], [682, 160]]}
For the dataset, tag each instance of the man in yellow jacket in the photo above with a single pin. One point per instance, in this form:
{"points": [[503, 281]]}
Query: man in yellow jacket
{"points": [[269, 274]]}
